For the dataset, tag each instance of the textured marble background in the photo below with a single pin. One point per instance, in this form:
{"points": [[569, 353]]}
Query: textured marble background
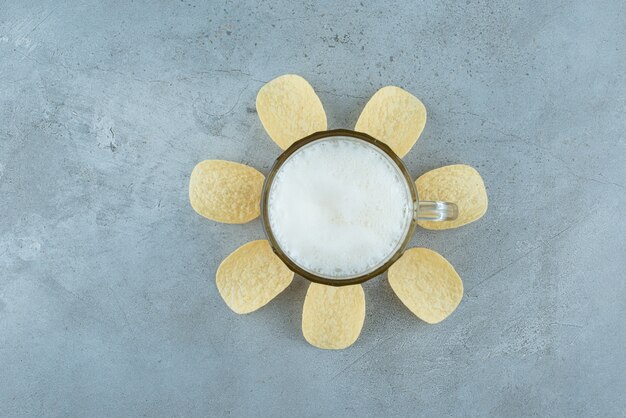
{"points": [[108, 305]]}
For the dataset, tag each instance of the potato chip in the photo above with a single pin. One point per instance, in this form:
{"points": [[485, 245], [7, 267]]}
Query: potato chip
{"points": [[251, 276], [460, 184], [427, 284], [226, 192], [394, 117], [289, 109], [332, 317]]}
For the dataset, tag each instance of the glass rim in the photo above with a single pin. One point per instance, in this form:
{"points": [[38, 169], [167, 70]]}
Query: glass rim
{"points": [[282, 158]]}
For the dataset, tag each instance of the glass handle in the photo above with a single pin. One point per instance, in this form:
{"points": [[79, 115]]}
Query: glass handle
{"points": [[436, 211]]}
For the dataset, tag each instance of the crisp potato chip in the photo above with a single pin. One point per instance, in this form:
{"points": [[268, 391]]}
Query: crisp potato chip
{"points": [[251, 276], [289, 109], [394, 117], [460, 184], [427, 284], [332, 317], [226, 192]]}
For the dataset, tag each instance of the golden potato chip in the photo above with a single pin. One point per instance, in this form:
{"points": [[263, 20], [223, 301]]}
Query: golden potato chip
{"points": [[460, 184], [289, 109], [251, 276], [427, 284], [226, 192], [332, 317], [394, 117]]}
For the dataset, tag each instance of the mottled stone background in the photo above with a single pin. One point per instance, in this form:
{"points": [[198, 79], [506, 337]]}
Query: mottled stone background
{"points": [[108, 305]]}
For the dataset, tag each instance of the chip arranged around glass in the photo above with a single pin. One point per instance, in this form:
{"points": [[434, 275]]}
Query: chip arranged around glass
{"points": [[338, 208]]}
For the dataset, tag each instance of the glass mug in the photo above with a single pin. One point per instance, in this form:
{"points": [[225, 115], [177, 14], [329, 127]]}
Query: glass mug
{"points": [[422, 210]]}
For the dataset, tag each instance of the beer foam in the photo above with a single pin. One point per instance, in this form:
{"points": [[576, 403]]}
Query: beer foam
{"points": [[339, 207]]}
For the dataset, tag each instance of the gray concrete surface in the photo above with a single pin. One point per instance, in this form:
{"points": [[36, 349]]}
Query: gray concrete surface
{"points": [[108, 305]]}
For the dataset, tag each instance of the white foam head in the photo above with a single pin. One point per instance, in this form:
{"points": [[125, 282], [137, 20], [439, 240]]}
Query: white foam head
{"points": [[339, 207]]}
